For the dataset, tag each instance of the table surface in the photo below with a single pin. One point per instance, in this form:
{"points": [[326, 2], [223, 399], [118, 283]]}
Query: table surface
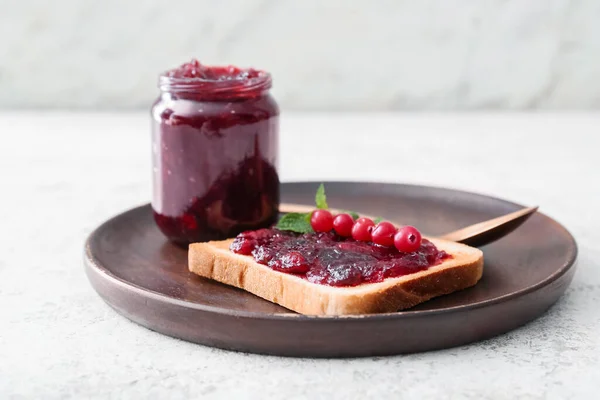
{"points": [[63, 174]]}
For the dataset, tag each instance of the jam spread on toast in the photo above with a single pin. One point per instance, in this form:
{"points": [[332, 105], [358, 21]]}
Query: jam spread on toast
{"points": [[331, 259]]}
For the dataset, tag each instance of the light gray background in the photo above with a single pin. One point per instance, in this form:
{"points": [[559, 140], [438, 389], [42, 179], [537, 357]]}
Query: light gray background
{"points": [[59, 340], [325, 55]]}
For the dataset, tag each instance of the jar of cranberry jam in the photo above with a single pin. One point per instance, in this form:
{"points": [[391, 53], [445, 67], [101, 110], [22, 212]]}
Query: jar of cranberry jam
{"points": [[214, 147]]}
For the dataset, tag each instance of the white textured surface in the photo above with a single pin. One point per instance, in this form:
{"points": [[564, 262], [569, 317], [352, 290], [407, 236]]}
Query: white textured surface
{"points": [[62, 174], [334, 55]]}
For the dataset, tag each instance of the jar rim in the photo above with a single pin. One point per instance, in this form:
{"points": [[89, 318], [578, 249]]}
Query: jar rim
{"points": [[210, 87]]}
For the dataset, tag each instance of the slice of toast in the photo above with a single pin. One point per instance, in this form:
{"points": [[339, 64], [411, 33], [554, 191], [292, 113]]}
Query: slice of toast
{"points": [[214, 260]]}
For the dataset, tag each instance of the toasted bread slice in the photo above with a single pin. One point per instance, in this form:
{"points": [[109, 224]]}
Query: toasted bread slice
{"points": [[214, 260]]}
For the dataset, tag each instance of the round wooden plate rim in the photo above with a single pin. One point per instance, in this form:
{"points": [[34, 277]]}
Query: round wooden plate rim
{"points": [[89, 258]]}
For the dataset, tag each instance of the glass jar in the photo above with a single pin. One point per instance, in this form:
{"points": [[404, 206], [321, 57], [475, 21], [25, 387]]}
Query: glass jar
{"points": [[214, 153]]}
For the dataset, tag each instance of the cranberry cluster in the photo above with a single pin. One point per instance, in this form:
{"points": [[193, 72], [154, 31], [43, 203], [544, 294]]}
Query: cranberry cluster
{"points": [[406, 239]]}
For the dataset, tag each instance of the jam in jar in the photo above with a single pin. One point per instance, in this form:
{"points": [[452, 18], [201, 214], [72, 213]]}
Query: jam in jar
{"points": [[214, 152]]}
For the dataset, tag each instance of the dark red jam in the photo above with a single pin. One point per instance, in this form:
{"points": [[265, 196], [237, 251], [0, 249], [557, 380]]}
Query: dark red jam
{"points": [[329, 259], [195, 70], [215, 149]]}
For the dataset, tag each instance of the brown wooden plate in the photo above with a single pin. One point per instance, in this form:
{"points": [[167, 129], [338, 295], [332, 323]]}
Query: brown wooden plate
{"points": [[145, 278]]}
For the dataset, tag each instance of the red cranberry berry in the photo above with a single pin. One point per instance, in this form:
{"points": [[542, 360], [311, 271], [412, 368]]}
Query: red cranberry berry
{"points": [[189, 222], [321, 221], [342, 224], [365, 219], [362, 229], [262, 255], [383, 234], [407, 239], [294, 262], [242, 245]]}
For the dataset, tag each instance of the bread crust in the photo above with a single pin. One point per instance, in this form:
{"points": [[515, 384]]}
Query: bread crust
{"points": [[214, 260]]}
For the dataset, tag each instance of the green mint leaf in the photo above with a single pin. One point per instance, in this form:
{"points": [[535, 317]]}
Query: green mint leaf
{"points": [[354, 215], [321, 198], [377, 220], [295, 222]]}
